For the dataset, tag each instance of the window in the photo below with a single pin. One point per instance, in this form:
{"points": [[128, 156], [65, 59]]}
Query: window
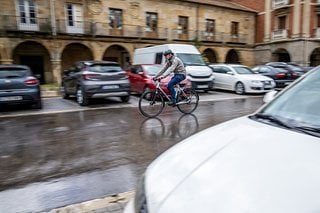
{"points": [[183, 25], [318, 21], [74, 18], [282, 23], [151, 22], [27, 15], [235, 29], [158, 59], [115, 18], [210, 27]]}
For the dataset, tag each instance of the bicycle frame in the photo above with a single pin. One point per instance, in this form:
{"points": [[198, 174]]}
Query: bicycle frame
{"points": [[179, 90]]}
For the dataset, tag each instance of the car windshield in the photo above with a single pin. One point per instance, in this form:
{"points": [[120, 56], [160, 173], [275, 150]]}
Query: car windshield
{"points": [[105, 68], [13, 73], [295, 68], [243, 70], [152, 70], [299, 107], [191, 59]]}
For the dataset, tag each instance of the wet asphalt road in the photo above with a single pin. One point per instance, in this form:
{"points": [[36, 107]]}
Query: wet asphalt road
{"points": [[54, 159]]}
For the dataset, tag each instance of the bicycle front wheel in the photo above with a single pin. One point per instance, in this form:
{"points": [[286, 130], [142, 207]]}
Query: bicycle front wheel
{"points": [[151, 104], [188, 102]]}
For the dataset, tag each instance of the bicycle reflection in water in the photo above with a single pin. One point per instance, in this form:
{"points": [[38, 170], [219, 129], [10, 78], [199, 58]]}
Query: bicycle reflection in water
{"points": [[153, 129]]}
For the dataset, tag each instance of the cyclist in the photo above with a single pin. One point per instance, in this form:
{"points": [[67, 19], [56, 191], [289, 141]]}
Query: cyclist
{"points": [[175, 65]]}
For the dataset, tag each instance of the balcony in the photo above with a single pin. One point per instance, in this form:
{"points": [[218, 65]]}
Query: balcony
{"points": [[279, 34], [89, 29], [276, 4], [17, 23]]}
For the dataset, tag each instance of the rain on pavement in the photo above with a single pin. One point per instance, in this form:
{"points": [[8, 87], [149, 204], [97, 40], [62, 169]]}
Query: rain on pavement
{"points": [[53, 160]]}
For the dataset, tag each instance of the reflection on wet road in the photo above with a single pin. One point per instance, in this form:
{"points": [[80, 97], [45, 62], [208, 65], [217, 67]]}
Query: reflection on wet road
{"points": [[76, 156]]}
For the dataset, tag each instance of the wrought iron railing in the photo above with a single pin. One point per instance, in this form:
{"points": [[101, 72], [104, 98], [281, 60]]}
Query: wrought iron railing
{"points": [[101, 29]]}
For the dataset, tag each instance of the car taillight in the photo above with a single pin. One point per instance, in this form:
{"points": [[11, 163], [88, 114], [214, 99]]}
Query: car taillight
{"points": [[31, 81], [90, 76], [294, 74], [280, 75]]}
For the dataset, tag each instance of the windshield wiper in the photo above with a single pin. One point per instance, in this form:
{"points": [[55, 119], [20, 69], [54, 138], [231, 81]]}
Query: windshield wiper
{"points": [[309, 130], [272, 119]]}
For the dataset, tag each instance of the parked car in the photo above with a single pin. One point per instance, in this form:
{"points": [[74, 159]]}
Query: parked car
{"points": [[264, 162], [95, 79], [140, 77], [19, 86], [240, 78], [294, 69], [281, 76]]}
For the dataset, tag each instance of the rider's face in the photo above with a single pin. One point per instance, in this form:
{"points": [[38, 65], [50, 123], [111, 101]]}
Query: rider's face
{"points": [[168, 56]]}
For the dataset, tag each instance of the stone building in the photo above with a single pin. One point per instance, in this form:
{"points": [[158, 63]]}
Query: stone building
{"points": [[287, 30], [50, 35]]}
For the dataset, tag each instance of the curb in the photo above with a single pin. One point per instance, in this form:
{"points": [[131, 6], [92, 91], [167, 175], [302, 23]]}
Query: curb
{"points": [[111, 204]]}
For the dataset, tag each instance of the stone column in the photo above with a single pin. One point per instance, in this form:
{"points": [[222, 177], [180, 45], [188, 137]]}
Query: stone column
{"points": [[56, 70]]}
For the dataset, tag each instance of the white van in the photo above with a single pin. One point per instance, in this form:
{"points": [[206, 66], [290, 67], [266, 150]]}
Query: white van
{"points": [[197, 71]]}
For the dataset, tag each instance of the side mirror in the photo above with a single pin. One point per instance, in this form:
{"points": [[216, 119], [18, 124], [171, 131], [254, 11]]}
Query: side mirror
{"points": [[269, 96], [38, 76], [230, 73]]}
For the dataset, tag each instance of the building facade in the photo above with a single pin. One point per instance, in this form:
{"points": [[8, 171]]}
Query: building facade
{"points": [[287, 30], [50, 35]]}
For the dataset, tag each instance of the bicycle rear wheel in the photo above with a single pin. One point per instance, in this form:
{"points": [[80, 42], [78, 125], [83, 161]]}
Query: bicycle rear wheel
{"points": [[188, 102], [151, 104]]}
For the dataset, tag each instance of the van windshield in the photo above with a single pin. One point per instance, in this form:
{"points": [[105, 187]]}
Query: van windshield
{"points": [[191, 59]]}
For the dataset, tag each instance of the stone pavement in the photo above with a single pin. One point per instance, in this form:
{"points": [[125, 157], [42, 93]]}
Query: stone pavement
{"points": [[111, 204]]}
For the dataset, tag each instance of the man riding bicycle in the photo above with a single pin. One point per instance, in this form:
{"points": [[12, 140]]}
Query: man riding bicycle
{"points": [[175, 65]]}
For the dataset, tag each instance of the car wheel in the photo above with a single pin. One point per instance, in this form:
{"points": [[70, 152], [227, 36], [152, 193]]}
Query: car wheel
{"points": [[81, 97], [125, 98], [146, 89], [64, 93], [37, 105], [239, 88]]}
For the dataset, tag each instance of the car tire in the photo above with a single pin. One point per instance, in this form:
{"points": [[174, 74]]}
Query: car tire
{"points": [[125, 99], [37, 105], [64, 94], [81, 97], [239, 88], [146, 89]]}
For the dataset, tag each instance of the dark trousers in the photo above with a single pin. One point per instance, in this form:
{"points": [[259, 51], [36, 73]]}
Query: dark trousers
{"points": [[175, 80]]}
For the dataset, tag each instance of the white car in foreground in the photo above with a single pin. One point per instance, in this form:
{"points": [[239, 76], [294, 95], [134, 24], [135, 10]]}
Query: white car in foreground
{"points": [[240, 79], [265, 162]]}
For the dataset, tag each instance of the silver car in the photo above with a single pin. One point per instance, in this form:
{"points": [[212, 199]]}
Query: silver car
{"points": [[19, 86], [95, 79], [265, 162]]}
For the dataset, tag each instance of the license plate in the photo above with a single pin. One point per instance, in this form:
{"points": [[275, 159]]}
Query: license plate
{"points": [[11, 98], [202, 86], [110, 87]]}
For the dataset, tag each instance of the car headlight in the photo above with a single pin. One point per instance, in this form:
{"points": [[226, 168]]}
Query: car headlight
{"points": [[140, 200]]}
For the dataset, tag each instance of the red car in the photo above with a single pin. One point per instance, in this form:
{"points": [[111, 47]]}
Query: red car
{"points": [[140, 77]]}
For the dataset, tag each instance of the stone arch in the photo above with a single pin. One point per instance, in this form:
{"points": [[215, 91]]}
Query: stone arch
{"points": [[118, 54], [74, 52], [37, 57], [281, 55], [232, 57], [210, 55], [315, 57]]}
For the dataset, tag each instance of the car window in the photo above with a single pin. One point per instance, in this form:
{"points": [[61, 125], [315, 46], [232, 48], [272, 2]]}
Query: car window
{"points": [[104, 68], [191, 59], [299, 106], [220, 69], [13, 72], [152, 70], [264, 70], [243, 70]]}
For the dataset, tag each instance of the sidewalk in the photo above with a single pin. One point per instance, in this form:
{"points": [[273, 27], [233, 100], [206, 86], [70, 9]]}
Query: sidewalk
{"points": [[111, 204]]}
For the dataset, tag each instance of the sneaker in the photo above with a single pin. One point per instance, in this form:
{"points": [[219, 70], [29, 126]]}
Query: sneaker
{"points": [[171, 103]]}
